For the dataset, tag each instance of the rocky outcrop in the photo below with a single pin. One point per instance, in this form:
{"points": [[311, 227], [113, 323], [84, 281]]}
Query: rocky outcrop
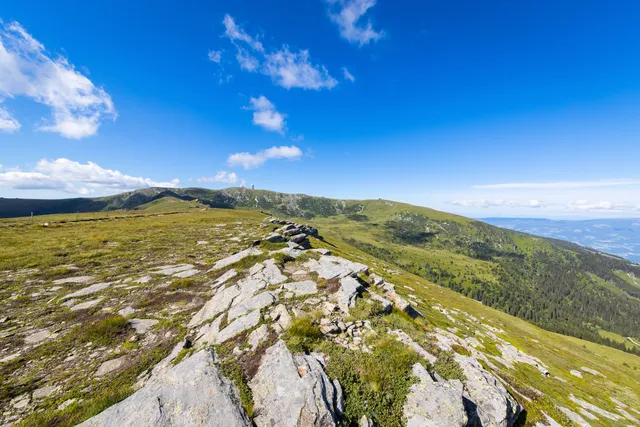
{"points": [[192, 393], [293, 391], [434, 404], [488, 403]]}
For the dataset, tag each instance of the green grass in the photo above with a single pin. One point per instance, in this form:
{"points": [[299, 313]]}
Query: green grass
{"points": [[107, 331], [374, 384], [303, 334], [448, 368]]}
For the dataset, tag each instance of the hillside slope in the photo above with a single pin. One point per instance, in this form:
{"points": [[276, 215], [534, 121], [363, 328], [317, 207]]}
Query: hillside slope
{"points": [[128, 313], [555, 284]]}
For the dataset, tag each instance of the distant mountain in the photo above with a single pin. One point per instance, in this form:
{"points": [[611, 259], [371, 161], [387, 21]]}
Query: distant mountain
{"points": [[619, 237], [555, 284]]}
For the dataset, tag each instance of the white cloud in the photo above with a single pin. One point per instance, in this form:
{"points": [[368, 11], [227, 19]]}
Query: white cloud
{"points": [[252, 161], [235, 32], [247, 61], [487, 203], [266, 116], [222, 176], [26, 69], [348, 75], [74, 177], [560, 185], [347, 13], [215, 56], [286, 68], [289, 70], [602, 206], [7, 122]]}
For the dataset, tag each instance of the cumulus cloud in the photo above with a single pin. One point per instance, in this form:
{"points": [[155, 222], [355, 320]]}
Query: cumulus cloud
{"points": [[289, 70], [74, 177], [252, 161], [222, 176], [247, 61], [27, 69], [7, 122], [487, 203], [560, 185], [347, 15], [286, 68], [348, 75], [215, 56], [266, 116]]}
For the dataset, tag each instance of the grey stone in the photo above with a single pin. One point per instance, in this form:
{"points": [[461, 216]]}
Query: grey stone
{"points": [[239, 325], [37, 337], [330, 267], [408, 341], [228, 275], [274, 238], [192, 393], [127, 311], [270, 273], [387, 306], [306, 287], [110, 366], [434, 404], [576, 418], [346, 295], [281, 315], [258, 336], [216, 305], [492, 403], [86, 305], [187, 273], [292, 392], [256, 302], [79, 279], [143, 325], [143, 279], [170, 270], [88, 290], [236, 257], [43, 392]]}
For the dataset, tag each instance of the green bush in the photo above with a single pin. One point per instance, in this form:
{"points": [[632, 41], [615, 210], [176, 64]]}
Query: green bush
{"points": [[375, 384], [107, 331], [448, 368], [302, 334]]}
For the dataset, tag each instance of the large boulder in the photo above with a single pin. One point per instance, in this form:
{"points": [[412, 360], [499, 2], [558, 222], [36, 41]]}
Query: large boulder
{"points": [[192, 393], [293, 391], [488, 403], [349, 290], [434, 404]]}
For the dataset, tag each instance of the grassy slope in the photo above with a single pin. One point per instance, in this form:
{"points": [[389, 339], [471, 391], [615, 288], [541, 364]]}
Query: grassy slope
{"points": [[171, 238], [560, 352], [170, 204]]}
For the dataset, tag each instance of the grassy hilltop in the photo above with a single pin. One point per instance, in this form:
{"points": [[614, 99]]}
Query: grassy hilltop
{"points": [[130, 245], [557, 285]]}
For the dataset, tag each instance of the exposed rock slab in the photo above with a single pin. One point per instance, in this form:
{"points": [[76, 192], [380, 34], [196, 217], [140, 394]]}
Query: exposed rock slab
{"points": [[192, 393], [349, 290], [78, 279], [224, 278], [110, 366], [492, 404], [216, 305], [239, 325], [143, 325], [292, 392], [306, 287], [88, 290], [256, 302], [236, 257], [170, 270], [576, 418], [408, 341], [270, 273], [331, 267], [86, 305], [434, 404]]}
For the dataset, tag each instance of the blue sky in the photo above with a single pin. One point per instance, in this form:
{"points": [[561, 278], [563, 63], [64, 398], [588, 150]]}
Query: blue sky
{"points": [[484, 108]]}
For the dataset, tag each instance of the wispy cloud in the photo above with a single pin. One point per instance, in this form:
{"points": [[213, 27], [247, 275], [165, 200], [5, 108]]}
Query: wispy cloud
{"points": [[560, 185], [215, 56], [602, 206], [347, 15], [348, 75], [222, 176], [74, 177], [77, 105], [289, 69], [252, 161], [491, 203], [7, 122], [266, 116]]}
